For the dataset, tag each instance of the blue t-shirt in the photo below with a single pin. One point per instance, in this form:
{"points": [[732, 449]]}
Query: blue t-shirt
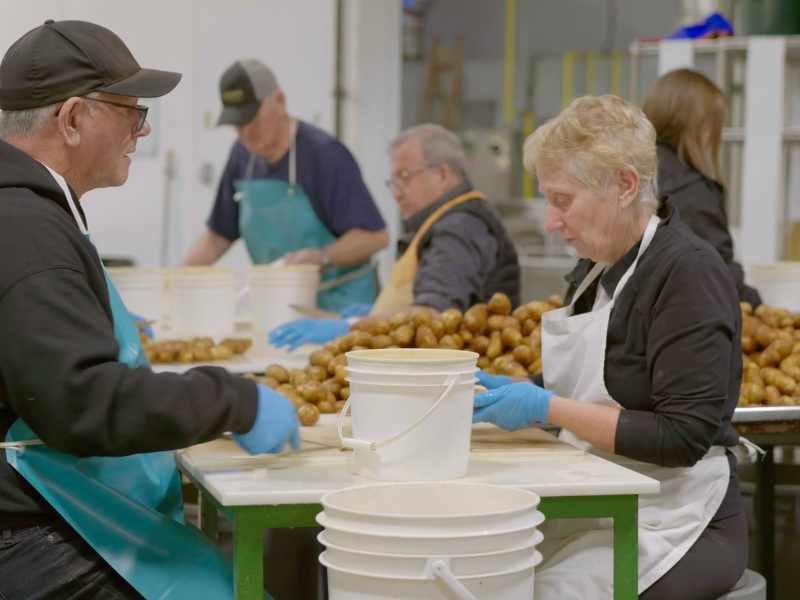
{"points": [[326, 171]]}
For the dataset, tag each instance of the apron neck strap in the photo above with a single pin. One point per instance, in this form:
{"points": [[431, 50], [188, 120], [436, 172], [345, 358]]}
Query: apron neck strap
{"points": [[62, 183], [437, 214], [649, 234]]}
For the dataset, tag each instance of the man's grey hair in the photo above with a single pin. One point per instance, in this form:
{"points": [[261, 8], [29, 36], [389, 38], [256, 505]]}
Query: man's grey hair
{"points": [[440, 146], [24, 123]]}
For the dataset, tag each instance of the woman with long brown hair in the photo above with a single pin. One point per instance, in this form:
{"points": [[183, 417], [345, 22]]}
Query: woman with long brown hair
{"points": [[688, 112]]}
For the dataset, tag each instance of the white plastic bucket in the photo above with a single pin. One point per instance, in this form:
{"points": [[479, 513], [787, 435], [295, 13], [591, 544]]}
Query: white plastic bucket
{"points": [[357, 584], [274, 289], [141, 289], [366, 540], [203, 301], [778, 283], [404, 432], [434, 509], [415, 565]]}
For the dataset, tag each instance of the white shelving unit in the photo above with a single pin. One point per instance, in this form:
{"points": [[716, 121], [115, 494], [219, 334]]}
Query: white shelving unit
{"points": [[761, 142]]}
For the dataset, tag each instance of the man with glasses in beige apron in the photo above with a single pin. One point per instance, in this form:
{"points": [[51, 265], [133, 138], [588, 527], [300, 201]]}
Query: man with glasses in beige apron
{"points": [[454, 250], [642, 366]]}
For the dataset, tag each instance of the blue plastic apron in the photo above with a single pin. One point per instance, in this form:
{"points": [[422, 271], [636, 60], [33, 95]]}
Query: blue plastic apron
{"points": [[276, 217], [128, 508]]}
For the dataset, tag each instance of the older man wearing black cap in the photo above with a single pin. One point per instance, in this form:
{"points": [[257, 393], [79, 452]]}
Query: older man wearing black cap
{"points": [[291, 190], [90, 503]]}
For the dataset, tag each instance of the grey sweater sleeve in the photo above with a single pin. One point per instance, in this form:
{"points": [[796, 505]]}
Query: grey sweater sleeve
{"points": [[458, 254]]}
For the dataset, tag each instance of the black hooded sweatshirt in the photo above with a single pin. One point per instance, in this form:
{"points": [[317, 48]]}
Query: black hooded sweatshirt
{"points": [[58, 355], [701, 204]]}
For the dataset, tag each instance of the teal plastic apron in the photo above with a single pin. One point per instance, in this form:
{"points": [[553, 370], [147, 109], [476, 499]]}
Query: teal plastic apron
{"points": [[276, 217], [128, 508]]}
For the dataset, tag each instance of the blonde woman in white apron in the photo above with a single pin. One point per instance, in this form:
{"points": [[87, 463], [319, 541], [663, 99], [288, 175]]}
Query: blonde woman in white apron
{"points": [[642, 366]]}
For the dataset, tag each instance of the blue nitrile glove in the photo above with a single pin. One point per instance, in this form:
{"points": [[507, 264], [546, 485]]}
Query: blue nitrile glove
{"points": [[491, 382], [147, 330], [356, 310], [304, 331], [275, 425], [513, 406]]}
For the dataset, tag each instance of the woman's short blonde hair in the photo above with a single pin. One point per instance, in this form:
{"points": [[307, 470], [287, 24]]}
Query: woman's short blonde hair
{"points": [[592, 139]]}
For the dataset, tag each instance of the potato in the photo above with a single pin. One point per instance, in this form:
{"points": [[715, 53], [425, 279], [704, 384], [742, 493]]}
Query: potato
{"points": [[336, 362], [220, 352], [327, 407], [765, 335], [341, 373], [403, 336], [529, 326], [511, 337], [361, 338], [312, 391], [475, 318], [203, 342], [321, 358], [499, 304], [484, 362], [238, 345], [344, 393], [437, 327], [754, 393], [496, 322], [779, 379], [286, 388], [448, 341], [536, 309], [495, 347], [451, 319], [297, 377], [791, 366], [466, 335], [332, 385], [308, 414], [425, 337], [458, 339], [271, 382], [747, 308], [775, 352], [295, 398], [479, 344], [399, 319], [521, 313], [277, 372], [202, 354], [503, 364], [185, 356], [381, 327], [523, 354], [339, 404], [381, 341], [535, 367], [773, 396], [317, 373], [517, 370], [422, 316], [555, 301], [748, 344]]}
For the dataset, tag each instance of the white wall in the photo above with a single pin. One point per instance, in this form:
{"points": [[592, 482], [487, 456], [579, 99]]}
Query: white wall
{"points": [[198, 38]]}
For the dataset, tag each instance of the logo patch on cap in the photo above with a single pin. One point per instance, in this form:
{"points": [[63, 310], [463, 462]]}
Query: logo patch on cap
{"points": [[233, 96]]}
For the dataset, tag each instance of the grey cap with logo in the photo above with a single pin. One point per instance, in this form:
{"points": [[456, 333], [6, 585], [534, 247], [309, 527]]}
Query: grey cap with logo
{"points": [[242, 88]]}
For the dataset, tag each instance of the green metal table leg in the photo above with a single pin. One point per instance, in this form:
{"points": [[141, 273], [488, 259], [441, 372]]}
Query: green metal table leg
{"points": [[207, 515], [624, 511], [248, 554]]}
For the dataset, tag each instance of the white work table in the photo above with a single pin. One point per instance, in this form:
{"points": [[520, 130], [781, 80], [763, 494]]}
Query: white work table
{"points": [[262, 492]]}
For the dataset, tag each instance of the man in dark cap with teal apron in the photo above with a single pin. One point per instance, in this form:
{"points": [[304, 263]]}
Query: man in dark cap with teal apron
{"points": [[290, 190], [90, 498]]}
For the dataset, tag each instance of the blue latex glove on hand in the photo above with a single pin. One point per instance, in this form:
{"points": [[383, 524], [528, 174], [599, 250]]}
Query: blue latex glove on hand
{"points": [[304, 331], [513, 406], [275, 425], [491, 382], [140, 323], [356, 310]]}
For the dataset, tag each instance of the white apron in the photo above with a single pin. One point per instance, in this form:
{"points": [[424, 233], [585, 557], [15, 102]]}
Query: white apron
{"points": [[578, 552]]}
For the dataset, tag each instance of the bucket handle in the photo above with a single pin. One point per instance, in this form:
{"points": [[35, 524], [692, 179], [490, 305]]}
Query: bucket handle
{"points": [[439, 568], [356, 444]]}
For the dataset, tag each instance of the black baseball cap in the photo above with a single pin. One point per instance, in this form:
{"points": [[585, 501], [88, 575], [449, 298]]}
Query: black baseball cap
{"points": [[242, 88], [61, 59]]}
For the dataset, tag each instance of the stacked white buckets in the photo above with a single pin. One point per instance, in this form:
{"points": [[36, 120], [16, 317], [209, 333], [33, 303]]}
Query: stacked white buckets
{"points": [[203, 301], [274, 289], [422, 536], [432, 540], [141, 289]]}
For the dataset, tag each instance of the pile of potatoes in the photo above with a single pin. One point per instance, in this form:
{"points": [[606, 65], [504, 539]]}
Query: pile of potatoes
{"points": [[199, 349], [509, 343], [770, 357]]}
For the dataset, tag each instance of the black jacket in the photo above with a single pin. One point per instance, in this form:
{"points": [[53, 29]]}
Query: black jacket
{"points": [[465, 257], [58, 355], [701, 203]]}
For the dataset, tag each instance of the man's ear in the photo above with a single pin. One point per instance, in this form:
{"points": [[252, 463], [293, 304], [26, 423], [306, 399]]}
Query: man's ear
{"points": [[70, 113]]}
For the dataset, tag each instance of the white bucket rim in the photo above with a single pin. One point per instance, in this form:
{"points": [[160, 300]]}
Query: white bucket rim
{"points": [[321, 519], [538, 538], [442, 374], [396, 384], [412, 355], [530, 565], [201, 272], [327, 502], [272, 270]]}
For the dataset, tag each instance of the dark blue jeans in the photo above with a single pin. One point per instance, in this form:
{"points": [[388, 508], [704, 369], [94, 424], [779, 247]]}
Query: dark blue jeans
{"points": [[52, 562]]}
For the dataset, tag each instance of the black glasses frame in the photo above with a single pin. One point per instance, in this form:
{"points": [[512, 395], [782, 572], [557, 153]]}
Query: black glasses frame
{"points": [[140, 108]]}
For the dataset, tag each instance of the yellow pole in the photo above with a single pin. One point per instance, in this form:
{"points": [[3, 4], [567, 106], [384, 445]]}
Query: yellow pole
{"points": [[616, 73], [509, 65], [567, 78], [591, 73]]}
